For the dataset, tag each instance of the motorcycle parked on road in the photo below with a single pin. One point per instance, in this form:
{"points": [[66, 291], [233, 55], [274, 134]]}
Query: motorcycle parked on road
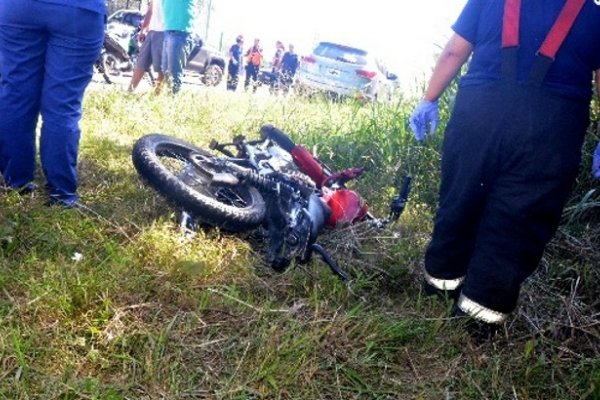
{"points": [[117, 57]]}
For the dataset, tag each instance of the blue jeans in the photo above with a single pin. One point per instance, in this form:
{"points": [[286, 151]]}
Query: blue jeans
{"points": [[174, 56], [48, 55]]}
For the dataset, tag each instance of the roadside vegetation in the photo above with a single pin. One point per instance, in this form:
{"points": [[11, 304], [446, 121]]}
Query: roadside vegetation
{"points": [[115, 302]]}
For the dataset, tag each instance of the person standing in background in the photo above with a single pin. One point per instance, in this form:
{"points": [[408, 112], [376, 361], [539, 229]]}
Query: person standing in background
{"points": [[235, 59], [276, 64], [152, 45], [179, 17], [49, 48], [254, 58], [289, 65]]}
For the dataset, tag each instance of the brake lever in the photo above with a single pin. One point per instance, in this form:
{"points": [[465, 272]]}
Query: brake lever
{"points": [[327, 259]]}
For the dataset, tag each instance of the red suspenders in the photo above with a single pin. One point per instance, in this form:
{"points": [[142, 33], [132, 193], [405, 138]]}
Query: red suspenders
{"points": [[557, 34]]}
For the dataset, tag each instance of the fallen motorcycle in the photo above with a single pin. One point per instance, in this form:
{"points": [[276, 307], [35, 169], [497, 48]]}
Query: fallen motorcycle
{"points": [[270, 182]]}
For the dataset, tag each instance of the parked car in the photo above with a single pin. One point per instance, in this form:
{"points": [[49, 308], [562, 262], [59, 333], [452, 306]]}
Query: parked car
{"points": [[342, 70], [206, 61], [130, 18]]}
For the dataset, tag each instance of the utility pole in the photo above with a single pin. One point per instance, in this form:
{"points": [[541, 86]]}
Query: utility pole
{"points": [[208, 11]]}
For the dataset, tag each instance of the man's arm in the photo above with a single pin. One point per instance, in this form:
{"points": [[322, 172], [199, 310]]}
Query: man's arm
{"points": [[232, 58], [598, 86], [455, 54], [147, 17]]}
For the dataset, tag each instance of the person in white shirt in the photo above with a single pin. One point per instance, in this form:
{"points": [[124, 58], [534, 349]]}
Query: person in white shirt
{"points": [[152, 35]]}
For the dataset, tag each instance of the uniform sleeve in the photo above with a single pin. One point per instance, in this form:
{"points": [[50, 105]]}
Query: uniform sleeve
{"points": [[467, 23]]}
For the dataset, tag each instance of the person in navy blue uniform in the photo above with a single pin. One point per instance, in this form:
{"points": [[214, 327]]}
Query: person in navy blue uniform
{"points": [[512, 146], [289, 65], [49, 48], [235, 59]]}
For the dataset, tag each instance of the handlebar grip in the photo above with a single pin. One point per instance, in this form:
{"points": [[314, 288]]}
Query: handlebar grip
{"points": [[406, 187]]}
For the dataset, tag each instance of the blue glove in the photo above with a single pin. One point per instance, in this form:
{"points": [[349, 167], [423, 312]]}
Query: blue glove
{"points": [[596, 162], [426, 112]]}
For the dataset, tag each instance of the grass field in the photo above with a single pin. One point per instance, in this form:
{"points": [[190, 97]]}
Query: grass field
{"points": [[114, 302]]}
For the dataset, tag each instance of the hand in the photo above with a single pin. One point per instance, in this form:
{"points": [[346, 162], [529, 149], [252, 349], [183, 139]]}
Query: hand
{"points": [[141, 37], [596, 162], [426, 112]]}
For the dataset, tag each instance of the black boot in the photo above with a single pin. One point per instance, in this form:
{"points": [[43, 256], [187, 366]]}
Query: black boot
{"points": [[478, 330]]}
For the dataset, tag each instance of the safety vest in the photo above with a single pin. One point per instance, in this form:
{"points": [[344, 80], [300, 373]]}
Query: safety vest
{"points": [[254, 56]]}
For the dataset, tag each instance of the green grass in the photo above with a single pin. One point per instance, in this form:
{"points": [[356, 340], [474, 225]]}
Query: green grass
{"points": [[117, 303]]}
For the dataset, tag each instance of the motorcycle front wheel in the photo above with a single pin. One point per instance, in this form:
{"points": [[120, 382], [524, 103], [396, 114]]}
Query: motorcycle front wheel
{"points": [[165, 163]]}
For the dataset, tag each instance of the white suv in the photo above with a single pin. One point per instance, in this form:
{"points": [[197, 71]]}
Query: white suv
{"points": [[345, 71]]}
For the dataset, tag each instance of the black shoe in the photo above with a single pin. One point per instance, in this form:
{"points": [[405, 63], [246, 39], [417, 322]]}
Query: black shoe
{"points": [[445, 295], [72, 203], [478, 330], [23, 190]]}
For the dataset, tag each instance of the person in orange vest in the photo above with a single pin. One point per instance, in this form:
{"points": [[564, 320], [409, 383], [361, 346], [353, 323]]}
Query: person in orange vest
{"points": [[254, 59], [512, 146]]}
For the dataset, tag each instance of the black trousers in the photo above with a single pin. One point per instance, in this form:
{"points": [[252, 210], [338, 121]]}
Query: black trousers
{"points": [[251, 73], [510, 156], [232, 76]]}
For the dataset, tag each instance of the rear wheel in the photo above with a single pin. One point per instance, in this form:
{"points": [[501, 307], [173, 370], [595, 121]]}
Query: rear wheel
{"points": [[165, 163], [110, 64]]}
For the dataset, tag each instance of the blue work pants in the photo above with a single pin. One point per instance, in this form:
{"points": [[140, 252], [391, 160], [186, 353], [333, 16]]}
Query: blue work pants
{"points": [[174, 56], [48, 55]]}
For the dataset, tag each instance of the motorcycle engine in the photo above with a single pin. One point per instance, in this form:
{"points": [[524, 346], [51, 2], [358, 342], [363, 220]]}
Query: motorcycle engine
{"points": [[280, 160]]}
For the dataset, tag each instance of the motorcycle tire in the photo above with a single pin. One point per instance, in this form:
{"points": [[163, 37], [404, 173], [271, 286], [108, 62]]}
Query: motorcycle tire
{"points": [[110, 64], [238, 208]]}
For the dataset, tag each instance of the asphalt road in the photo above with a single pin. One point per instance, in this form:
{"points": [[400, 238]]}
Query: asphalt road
{"points": [[121, 81]]}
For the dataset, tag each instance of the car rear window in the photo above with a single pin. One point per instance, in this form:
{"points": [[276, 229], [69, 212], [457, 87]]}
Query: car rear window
{"points": [[133, 19], [341, 53]]}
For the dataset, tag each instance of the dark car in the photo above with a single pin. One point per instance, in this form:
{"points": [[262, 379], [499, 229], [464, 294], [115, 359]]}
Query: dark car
{"points": [[206, 61], [130, 18]]}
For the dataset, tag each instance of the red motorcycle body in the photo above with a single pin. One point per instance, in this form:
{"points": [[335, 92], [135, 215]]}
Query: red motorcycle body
{"points": [[346, 205]]}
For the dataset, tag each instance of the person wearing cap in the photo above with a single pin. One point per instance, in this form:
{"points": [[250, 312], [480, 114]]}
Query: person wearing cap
{"points": [[512, 146], [233, 66]]}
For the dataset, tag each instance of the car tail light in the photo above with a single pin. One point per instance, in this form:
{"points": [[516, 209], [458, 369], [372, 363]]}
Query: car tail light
{"points": [[366, 74], [309, 59]]}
